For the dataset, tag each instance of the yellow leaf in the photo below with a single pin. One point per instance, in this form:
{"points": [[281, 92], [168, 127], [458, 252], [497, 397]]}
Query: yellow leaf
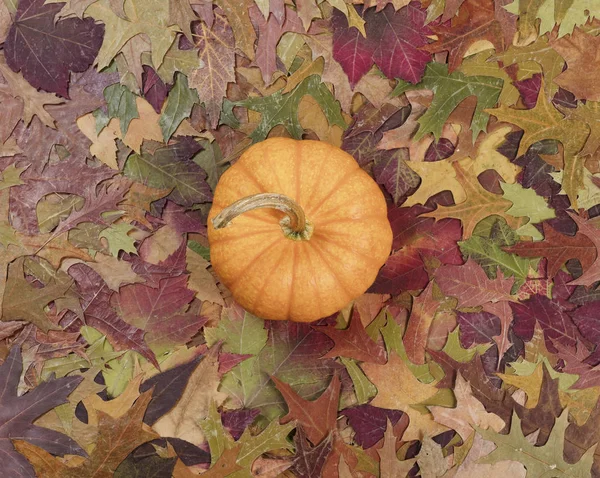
{"points": [[103, 144]]}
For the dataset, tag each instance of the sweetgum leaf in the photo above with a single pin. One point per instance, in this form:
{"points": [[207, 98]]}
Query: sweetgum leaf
{"points": [[44, 51], [20, 412]]}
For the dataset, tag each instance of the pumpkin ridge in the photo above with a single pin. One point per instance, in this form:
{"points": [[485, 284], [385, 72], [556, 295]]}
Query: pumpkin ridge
{"points": [[225, 240], [334, 189], [315, 187], [298, 157], [324, 238], [292, 282], [253, 261], [251, 176], [319, 252], [268, 277]]}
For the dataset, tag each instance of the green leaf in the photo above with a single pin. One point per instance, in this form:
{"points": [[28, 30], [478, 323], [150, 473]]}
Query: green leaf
{"points": [[119, 239], [121, 104], [180, 102], [455, 350], [392, 335], [490, 256], [199, 249], [450, 89], [245, 336], [97, 354], [540, 461], [216, 436], [363, 387], [211, 160], [274, 437], [119, 373], [280, 108], [527, 203], [11, 177]]}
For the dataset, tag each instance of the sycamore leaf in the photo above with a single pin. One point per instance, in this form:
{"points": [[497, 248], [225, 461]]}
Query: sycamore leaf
{"points": [[282, 108], [68, 45], [142, 17], [539, 460]]}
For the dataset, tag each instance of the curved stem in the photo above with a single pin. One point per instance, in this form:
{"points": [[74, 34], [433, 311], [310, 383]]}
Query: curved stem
{"points": [[295, 222]]}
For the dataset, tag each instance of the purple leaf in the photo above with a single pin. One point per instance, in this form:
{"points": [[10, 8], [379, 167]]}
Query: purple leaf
{"points": [[236, 421], [18, 413], [552, 317], [587, 319], [350, 49], [95, 301], [45, 51], [391, 171], [309, 460], [529, 90], [155, 90], [168, 387], [369, 423], [477, 328], [441, 150], [399, 35]]}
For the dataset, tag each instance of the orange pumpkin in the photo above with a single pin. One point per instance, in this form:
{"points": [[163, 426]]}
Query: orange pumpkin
{"points": [[307, 230]]}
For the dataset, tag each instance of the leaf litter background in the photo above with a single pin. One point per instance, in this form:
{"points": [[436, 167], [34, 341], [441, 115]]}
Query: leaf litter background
{"points": [[475, 352]]}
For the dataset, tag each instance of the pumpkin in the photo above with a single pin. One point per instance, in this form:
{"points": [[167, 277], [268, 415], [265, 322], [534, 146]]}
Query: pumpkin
{"points": [[297, 230]]}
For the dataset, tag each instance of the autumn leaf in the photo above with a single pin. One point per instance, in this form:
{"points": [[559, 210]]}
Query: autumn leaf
{"points": [[18, 423]]}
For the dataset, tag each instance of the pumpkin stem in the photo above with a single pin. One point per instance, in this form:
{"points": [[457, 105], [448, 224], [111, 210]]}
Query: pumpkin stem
{"points": [[294, 224]]}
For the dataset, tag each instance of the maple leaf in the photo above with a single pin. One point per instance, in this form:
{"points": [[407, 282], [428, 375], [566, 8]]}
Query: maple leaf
{"points": [[141, 18], [471, 286], [538, 460], [95, 297], [558, 249], [416, 238], [117, 438], [216, 51], [44, 51], [163, 313], [392, 42], [170, 167], [545, 122], [468, 412], [552, 316], [476, 20], [20, 412], [22, 301], [239, 19], [353, 342]]}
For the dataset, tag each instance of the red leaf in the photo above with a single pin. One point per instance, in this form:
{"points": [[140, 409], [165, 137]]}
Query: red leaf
{"points": [[558, 249], [317, 417], [419, 322], [592, 274], [392, 43], [95, 301], [469, 284], [353, 342], [46, 52]]}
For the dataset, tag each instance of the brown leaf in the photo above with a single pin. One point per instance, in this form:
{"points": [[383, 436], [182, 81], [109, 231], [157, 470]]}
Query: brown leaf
{"points": [[318, 417], [421, 316]]}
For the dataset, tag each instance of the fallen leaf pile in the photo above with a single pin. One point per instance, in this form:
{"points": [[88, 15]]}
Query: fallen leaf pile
{"points": [[476, 351]]}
